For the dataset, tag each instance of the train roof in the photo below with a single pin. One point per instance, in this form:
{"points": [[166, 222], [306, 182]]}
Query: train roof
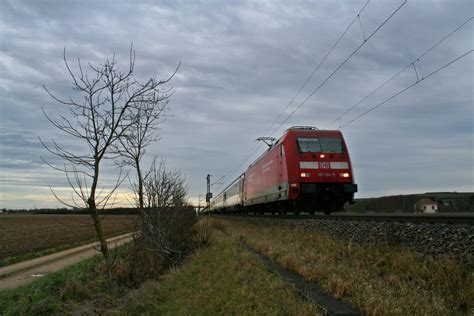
{"points": [[309, 129], [297, 129]]}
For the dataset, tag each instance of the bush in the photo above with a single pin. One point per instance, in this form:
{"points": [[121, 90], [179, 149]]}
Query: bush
{"points": [[168, 231], [167, 236]]}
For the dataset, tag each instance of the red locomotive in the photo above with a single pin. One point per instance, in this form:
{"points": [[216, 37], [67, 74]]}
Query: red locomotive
{"points": [[306, 170]]}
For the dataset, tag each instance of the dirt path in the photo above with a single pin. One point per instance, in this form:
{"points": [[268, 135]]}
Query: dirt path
{"points": [[24, 272]]}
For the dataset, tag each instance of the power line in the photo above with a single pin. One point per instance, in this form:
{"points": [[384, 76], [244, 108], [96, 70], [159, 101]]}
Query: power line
{"points": [[340, 66], [411, 64], [217, 181], [370, 94], [410, 86], [356, 17]]}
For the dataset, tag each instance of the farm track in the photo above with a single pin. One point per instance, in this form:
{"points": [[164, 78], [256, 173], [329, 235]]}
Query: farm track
{"points": [[25, 272], [439, 218]]}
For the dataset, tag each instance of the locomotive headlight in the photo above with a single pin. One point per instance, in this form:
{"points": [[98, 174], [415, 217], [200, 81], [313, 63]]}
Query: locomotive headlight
{"points": [[322, 156], [345, 175], [305, 175]]}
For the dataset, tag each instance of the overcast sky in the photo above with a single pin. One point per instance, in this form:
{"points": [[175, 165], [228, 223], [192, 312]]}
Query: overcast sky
{"points": [[242, 62]]}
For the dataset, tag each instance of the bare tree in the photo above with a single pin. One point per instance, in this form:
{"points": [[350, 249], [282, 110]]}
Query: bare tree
{"points": [[164, 189], [103, 112], [149, 113]]}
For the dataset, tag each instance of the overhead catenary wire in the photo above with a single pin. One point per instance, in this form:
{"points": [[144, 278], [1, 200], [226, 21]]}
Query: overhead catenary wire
{"points": [[410, 64], [217, 181], [366, 39], [405, 89], [370, 94], [318, 66], [339, 67]]}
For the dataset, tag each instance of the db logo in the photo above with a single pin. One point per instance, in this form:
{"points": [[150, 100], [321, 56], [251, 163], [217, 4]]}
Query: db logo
{"points": [[324, 165]]}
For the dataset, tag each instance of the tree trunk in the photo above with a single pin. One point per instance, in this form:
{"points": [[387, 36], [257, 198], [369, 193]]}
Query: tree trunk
{"points": [[100, 234], [104, 249], [140, 184]]}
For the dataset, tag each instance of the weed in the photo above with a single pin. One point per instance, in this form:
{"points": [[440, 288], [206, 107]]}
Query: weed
{"points": [[203, 229]]}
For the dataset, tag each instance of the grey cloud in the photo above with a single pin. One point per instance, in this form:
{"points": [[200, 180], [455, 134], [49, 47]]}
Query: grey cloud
{"points": [[242, 61]]}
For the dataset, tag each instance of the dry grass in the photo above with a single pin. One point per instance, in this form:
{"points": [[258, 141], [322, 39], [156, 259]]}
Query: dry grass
{"points": [[25, 233], [203, 233], [223, 279], [377, 279]]}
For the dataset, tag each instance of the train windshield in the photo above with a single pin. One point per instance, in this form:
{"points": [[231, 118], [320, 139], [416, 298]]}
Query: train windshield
{"points": [[320, 145]]}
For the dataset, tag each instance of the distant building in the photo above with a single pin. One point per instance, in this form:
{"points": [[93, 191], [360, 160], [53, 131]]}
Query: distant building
{"points": [[426, 206]]}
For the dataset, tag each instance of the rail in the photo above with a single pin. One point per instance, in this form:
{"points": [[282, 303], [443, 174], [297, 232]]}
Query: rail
{"points": [[438, 218]]}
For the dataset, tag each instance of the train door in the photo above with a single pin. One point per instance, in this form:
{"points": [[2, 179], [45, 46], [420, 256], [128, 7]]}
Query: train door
{"points": [[280, 160], [242, 190]]}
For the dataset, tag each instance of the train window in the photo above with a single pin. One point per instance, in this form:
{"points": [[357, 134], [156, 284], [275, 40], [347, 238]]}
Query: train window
{"points": [[317, 145], [282, 150], [331, 145], [233, 190], [309, 145]]}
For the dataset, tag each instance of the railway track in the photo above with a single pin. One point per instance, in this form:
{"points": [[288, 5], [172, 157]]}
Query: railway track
{"points": [[439, 218]]}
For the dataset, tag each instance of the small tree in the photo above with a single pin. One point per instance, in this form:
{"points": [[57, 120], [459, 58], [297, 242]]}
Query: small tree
{"points": [[132, 147], [166, 222], [164, 189], [101, 116]]}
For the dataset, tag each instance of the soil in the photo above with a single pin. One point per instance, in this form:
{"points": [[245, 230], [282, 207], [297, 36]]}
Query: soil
{"points": [[25, 233]]}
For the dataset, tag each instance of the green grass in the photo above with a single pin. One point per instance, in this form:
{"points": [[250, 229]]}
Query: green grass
{"points": [[47, 295], [224, 279], [76, 287]]}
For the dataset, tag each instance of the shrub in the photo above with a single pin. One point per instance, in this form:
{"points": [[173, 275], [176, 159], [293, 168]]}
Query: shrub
{"points": [[168, 231], [167, 236]]}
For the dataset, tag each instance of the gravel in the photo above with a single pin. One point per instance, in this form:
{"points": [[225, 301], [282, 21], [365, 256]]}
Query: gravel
{"points": [[434, 240]]}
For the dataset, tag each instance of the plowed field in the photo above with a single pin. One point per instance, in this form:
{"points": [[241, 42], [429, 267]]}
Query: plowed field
{"points": [[25, 233]]}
